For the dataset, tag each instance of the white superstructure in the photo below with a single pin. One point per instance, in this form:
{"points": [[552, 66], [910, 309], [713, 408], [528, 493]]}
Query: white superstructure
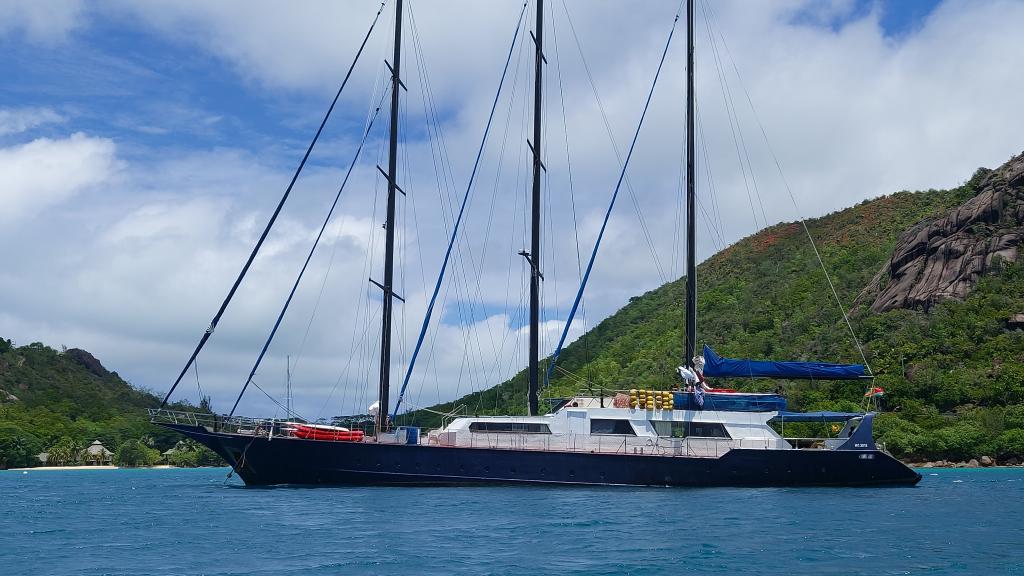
{"points": [[584, 425]]}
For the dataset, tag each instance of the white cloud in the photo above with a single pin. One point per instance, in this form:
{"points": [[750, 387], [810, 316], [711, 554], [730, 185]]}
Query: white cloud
{"points": [[18, 120], [41, 21], [46, 172], [310, 45]]}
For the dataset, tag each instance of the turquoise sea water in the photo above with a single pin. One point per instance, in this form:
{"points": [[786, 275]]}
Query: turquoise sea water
{"points": [[966, 521]]}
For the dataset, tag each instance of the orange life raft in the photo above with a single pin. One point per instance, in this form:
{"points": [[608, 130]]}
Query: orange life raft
{"points": [[315, 432]]}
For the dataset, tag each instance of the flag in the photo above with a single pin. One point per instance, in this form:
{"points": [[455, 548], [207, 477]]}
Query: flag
{"points": [[698, 395], [876, 392]]}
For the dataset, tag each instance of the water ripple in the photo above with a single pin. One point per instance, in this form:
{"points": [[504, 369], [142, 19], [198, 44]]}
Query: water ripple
{"points": [[164, 522]]}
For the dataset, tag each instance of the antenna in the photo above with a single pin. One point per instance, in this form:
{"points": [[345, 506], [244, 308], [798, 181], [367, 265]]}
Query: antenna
{"points": [[288, 381]]}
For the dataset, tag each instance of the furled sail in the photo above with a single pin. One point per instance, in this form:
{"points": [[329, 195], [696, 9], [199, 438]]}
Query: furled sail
{"points": [[716, 366]]}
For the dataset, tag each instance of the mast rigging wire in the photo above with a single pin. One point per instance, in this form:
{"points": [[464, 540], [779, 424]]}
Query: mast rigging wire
{"points": [[792, 198], [466, 306], [312, 250], [445, 183], [378, 84], [611, 205], [615, 147], [458, 220], [572, 194], [273, 218]]}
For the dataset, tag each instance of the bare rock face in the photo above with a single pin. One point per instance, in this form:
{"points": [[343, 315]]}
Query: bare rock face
{"points": [[87, 360], [944, 258]]}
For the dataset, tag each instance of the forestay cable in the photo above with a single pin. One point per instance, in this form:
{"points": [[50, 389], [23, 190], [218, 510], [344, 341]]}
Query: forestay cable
{"points": [[273, 217], [608, 213]]}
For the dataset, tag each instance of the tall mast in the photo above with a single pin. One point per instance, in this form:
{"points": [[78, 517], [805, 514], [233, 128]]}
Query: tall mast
{"points": [[389, 225], [534, 255], [691, 215]]}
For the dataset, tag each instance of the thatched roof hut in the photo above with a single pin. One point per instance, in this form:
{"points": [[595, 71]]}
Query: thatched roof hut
{"points": [[97, 454]]}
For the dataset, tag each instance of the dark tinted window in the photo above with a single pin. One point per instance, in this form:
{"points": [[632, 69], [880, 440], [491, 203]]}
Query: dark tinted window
{"points": [[519, 427], [690, 429], [606, 426]]}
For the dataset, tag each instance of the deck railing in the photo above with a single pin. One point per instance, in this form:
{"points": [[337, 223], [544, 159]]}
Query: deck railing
{"points": [[606, 444], [216, 423]]}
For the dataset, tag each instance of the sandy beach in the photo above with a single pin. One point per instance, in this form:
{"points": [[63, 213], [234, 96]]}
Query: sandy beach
{"points": [[84, 468], [66, 468]]}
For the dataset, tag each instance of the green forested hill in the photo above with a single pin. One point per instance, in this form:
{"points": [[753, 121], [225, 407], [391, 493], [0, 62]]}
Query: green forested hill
{"points": [[47, 396], [953, 375]]}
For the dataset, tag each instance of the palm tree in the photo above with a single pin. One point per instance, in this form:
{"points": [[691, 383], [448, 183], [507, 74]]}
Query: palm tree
{"points": [[64, 452]]}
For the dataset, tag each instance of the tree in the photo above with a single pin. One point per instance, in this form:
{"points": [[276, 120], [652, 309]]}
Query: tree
{"points": [[17, 447], [63, 453], [190, 454], [133, 453], [1011, 444]]}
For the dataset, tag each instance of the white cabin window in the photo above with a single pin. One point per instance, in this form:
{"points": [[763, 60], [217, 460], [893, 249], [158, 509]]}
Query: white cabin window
{"points": [[689, 429], [516, 427], [611, 427]]}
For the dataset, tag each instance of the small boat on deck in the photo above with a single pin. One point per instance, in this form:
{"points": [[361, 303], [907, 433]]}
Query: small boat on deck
{"points": [[323, 432]]}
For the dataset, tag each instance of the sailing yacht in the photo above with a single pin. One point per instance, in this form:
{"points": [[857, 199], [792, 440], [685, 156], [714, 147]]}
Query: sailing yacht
{"points": [[690, 435]]}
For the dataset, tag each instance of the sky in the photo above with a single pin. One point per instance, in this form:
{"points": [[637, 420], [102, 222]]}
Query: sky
{"points": [[143, 146]]}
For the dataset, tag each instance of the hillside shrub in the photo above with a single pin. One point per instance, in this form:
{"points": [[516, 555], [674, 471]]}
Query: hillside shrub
{"points": [[18, 448], [1010, 444], [135, 453]]}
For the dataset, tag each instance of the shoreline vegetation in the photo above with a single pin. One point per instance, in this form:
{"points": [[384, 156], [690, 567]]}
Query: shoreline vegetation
{"points": [[972, 463], [103, 467], [64, 408]]}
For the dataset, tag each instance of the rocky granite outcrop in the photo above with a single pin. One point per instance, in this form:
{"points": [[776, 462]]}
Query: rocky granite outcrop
{"points": [[88, 361], [943, 258]]}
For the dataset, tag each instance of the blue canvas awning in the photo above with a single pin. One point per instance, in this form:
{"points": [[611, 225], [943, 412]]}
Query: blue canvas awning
{"points": [[824, 416], [717, 367], [730, 402]]}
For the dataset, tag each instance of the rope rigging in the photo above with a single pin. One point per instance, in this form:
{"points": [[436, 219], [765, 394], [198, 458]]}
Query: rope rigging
{"points": [[458, 220], [273, 218], [615, 147], [611, 205], [465, 305], [380, 84], [312, 250], [572, 193], [789, 191]]}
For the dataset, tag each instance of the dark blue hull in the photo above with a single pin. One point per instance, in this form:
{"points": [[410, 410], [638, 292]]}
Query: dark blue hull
{"points": [[263, 462]]}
